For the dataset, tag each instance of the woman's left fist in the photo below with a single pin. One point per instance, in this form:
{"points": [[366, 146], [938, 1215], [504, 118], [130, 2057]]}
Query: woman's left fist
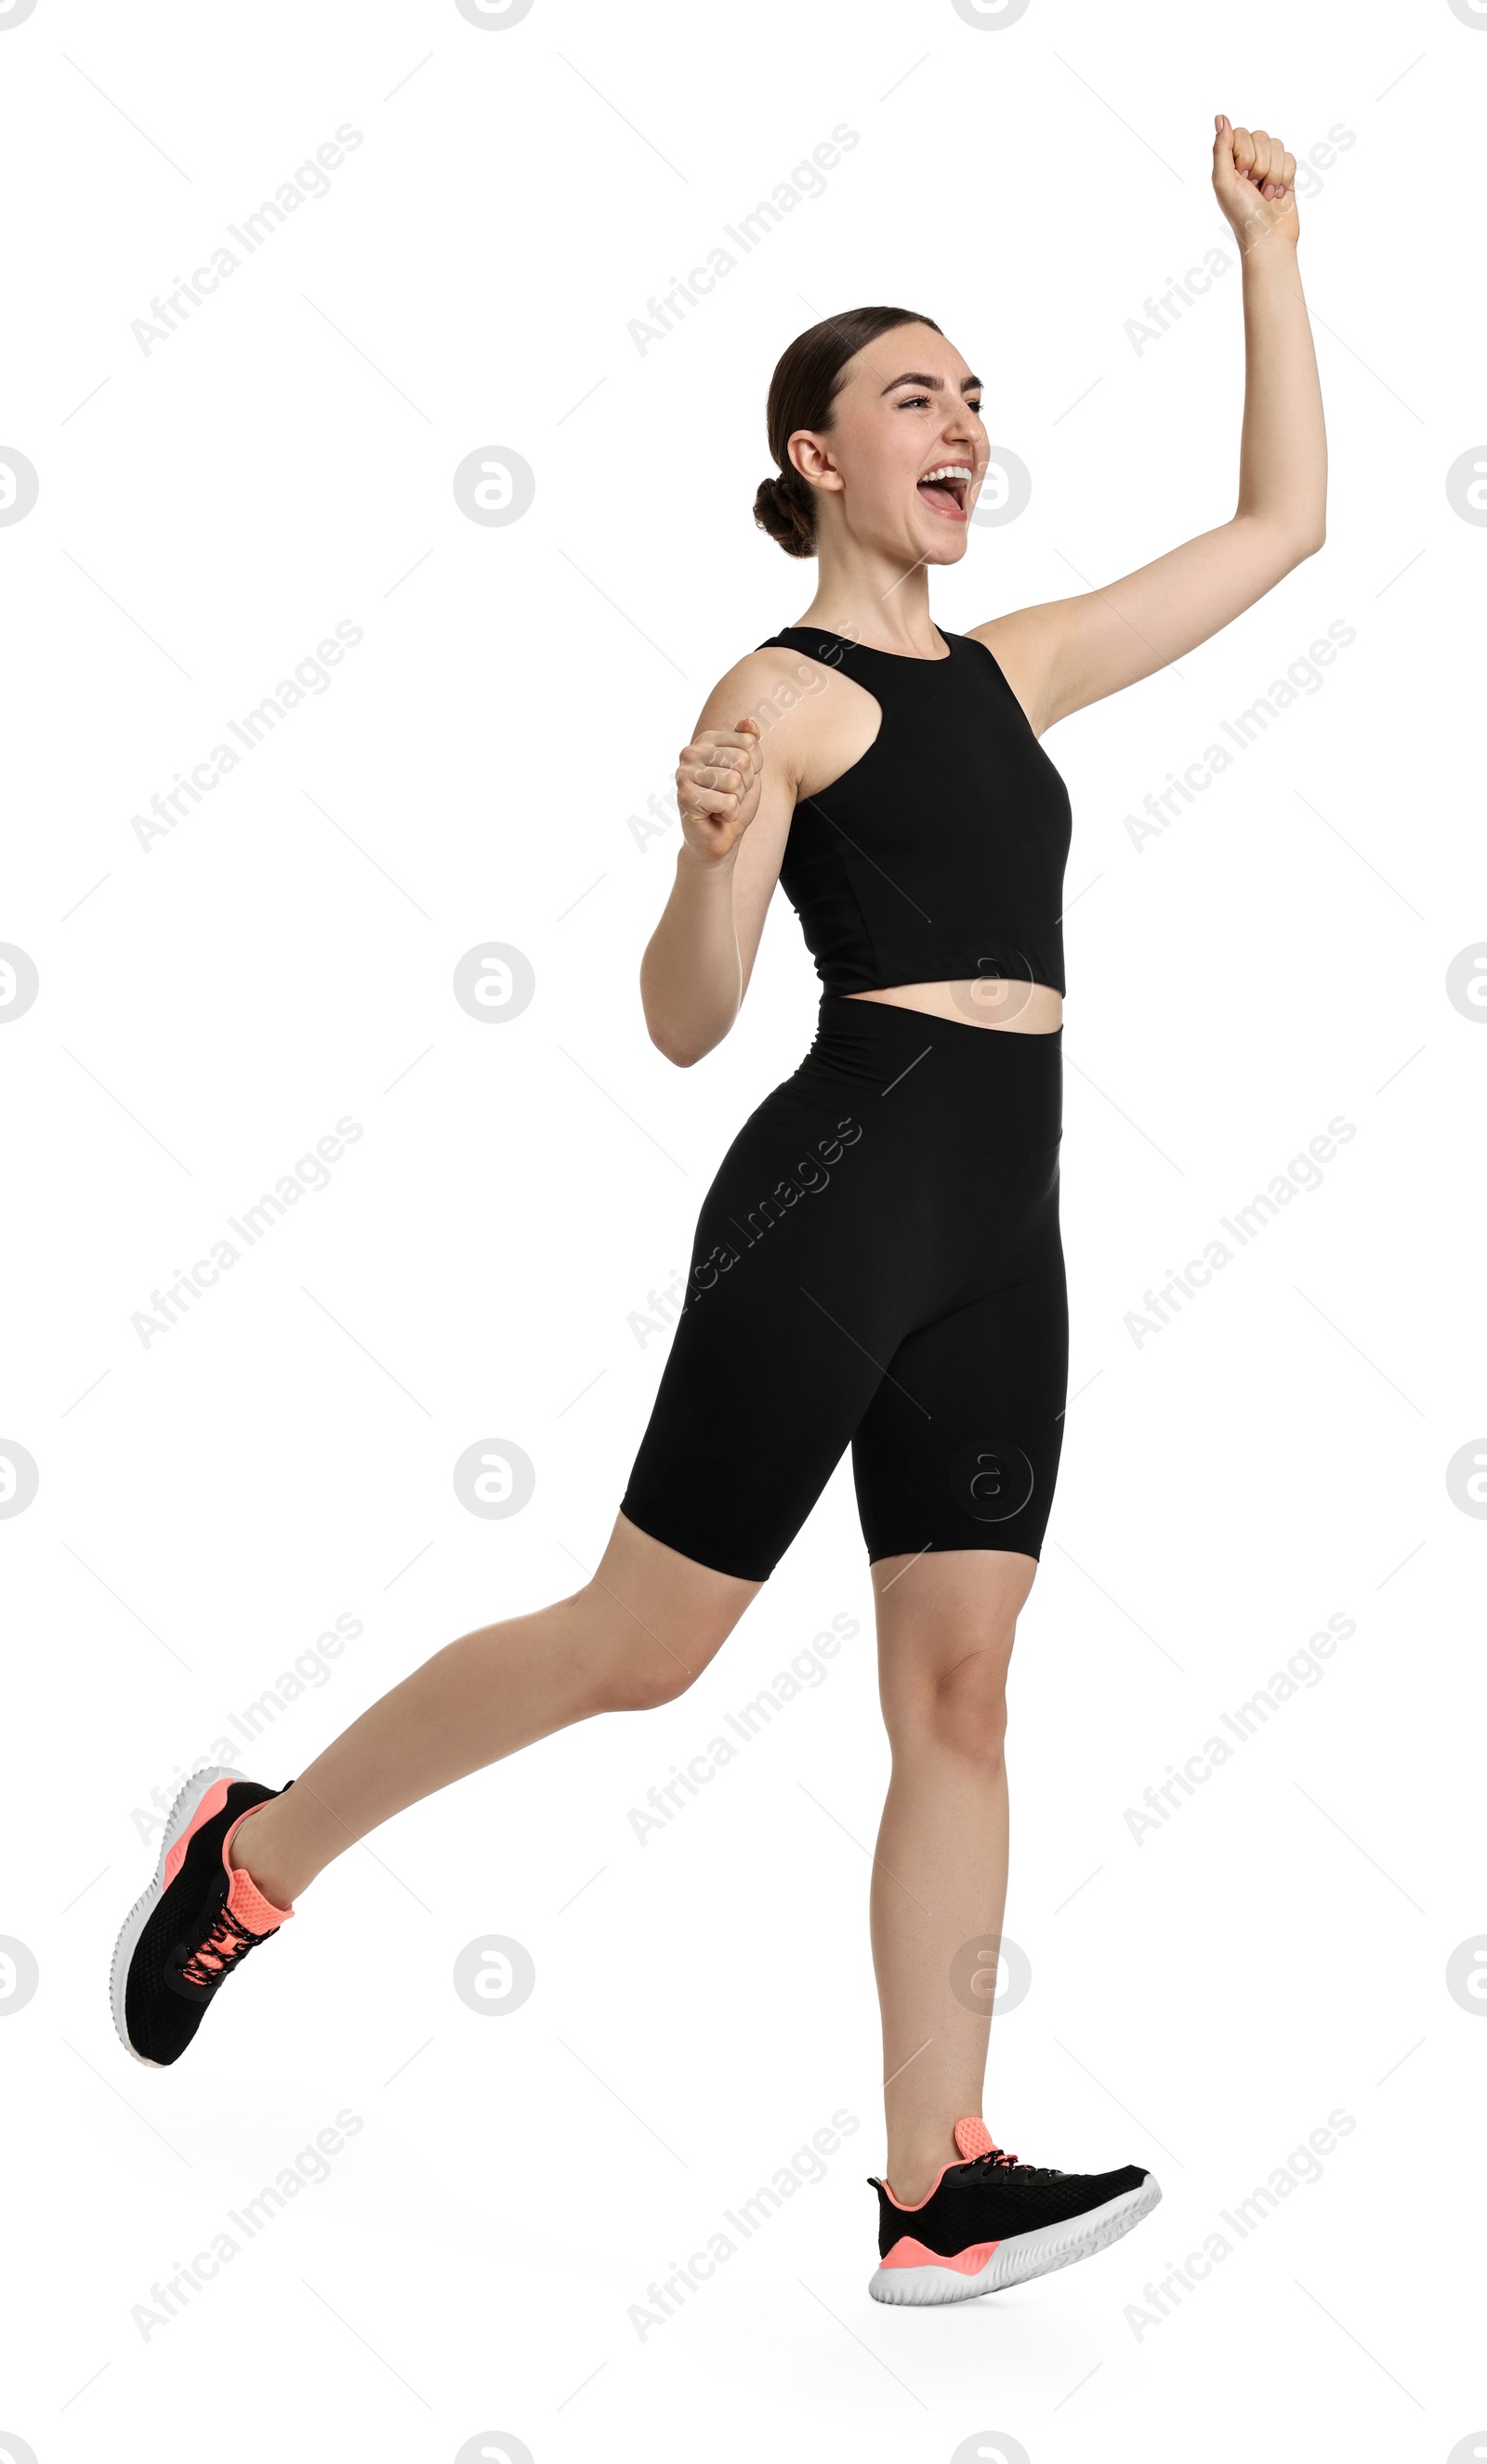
{"points": [[1254, 180]]}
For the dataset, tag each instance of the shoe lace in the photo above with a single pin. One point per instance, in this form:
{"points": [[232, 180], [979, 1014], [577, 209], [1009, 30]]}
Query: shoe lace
{"points": [[221, 1949], [1000, 2156], [999, 2160]]}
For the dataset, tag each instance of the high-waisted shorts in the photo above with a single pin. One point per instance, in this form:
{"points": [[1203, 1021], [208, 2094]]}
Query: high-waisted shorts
{"points": [[877, 1263]]}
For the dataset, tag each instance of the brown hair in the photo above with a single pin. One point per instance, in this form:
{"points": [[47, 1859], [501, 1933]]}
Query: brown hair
{"points": [[801, 392]]}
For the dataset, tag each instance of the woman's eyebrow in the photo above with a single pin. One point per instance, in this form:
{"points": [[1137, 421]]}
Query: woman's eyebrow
{"points": [[936, 384]]}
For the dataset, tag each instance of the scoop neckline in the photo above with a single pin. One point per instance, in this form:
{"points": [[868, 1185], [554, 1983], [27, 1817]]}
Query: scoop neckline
{"points": [[906, 658]]}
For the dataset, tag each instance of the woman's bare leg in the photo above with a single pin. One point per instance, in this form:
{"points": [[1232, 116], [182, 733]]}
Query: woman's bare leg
{"points": [[945, 1631], [647, 1622]]}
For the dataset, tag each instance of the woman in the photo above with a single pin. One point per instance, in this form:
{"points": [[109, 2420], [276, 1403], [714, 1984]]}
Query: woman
{"points": [[878, 1260]]}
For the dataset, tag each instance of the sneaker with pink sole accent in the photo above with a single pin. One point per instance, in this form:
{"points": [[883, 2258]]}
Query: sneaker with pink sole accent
{"points": [[195, 1925], [991, 2221]]}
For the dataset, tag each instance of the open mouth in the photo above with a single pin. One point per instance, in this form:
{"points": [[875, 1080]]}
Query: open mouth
{"points": [[946, 488]]}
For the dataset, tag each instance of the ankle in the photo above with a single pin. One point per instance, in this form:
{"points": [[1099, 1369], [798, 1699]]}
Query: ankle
{"points": [[915, 2166], [252, 1852]]}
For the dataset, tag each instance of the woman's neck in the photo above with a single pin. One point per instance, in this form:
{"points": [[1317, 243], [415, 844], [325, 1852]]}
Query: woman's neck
{"points": [[867, 598]]}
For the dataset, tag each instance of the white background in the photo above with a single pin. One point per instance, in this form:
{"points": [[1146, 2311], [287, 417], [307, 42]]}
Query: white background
{"points": [[209, 1504]]}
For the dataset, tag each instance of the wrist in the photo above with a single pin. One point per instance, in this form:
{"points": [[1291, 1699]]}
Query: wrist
{"points": [[694, 860], [1260, 246]]}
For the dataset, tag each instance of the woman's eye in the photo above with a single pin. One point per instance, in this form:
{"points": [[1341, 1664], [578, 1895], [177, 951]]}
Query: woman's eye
{"points": [[920, 402]]}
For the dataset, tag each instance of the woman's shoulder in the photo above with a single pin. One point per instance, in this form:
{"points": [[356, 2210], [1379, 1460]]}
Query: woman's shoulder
{"points": [[813, 732], [766, 684]]}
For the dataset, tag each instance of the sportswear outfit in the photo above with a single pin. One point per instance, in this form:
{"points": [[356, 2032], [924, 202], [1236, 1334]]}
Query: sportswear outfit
{"points": [[878, 1261]]}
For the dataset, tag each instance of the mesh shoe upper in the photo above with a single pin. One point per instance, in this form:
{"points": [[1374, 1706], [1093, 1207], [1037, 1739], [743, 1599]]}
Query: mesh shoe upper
{"points": [[993, 2197], [194, 1937]]}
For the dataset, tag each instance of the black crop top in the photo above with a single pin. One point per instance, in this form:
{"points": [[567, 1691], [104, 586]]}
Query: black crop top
{"points": [[939, 855]]}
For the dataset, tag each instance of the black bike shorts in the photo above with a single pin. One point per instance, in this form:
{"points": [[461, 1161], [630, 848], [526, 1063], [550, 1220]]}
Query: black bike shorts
{"points": [[877, 1262]]}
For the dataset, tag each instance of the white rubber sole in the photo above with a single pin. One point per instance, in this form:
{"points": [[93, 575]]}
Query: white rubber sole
{"points": [[179, 1823], [1024, 2254]]}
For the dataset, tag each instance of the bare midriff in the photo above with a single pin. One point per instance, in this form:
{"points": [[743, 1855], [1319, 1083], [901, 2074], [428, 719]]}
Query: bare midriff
{"points": [[981, 1000]]}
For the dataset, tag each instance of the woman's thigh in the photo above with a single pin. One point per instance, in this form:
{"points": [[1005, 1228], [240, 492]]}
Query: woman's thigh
{"points": [[959, 1448], [799, 1288]]}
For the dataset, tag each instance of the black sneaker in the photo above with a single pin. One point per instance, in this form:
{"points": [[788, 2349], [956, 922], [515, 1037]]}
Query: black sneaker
{"points": [[196, 1923], [990, 2222]]}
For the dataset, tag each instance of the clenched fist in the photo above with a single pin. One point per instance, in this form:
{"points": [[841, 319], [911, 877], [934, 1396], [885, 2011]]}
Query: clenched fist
{"points": [[717, 788], [1255, 183]]}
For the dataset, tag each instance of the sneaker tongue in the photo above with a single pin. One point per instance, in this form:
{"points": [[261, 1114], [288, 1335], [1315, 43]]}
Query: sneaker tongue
{"points": [[250, 1906], [973, 2137]]}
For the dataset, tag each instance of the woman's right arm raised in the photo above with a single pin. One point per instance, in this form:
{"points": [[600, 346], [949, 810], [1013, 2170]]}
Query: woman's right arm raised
{"points": [[735, 800]]}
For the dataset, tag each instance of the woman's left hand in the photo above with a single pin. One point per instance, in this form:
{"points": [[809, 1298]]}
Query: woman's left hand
{"points": [[1254, 180]]}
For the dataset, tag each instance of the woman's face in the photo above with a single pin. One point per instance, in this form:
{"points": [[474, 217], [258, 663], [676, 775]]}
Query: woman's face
{"points": [[909, 407]]}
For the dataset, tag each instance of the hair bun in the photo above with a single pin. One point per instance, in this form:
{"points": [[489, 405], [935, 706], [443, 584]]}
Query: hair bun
{"points": [[784, 508]]}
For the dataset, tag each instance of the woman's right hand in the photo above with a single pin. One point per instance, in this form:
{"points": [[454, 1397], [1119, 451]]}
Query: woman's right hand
{"points": [[717, 788]]}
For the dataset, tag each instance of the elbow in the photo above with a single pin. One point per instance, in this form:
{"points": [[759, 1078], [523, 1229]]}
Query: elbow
{"points": [[1285, 541], [1304, 537], [682, 1056], [682, 1042]]}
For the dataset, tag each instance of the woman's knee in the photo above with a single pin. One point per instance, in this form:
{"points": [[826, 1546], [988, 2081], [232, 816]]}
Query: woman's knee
{"points": [[641, 1677], [957, 1706], [639, 1662]]}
